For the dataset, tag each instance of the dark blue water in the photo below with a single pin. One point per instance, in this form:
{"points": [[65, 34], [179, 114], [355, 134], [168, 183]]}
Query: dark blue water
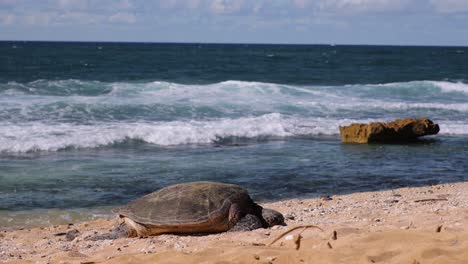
{"points": [[212, 63], [85, 127]]}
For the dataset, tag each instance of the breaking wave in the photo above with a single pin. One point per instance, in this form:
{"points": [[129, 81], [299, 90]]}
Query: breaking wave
{"points": [[30, 137], [54, 115]]}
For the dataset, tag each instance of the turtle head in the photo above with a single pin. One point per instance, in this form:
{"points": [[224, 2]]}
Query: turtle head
{"points": [[272, 217]]}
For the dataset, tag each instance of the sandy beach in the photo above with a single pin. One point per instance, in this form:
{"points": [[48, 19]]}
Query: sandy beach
{"points": [[407, 225], [348, 117]]}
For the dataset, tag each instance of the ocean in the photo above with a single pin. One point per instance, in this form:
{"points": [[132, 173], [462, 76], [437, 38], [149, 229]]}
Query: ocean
{"points": [[86, 127]]}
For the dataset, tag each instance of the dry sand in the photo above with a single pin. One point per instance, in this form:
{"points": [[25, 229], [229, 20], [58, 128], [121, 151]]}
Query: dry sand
{"points": [[407, 225]]}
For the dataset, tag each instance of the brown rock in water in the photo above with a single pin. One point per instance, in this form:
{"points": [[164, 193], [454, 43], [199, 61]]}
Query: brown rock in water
{"points": [[400, 130]]}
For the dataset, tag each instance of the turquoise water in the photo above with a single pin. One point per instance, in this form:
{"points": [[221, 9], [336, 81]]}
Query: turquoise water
{"points": [[85, 127]]}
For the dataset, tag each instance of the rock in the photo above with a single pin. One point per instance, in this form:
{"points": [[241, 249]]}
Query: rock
{"points": [[271, 259], [289, 216], [76, 254], [400, 130], [326, 197], [72, 234]]}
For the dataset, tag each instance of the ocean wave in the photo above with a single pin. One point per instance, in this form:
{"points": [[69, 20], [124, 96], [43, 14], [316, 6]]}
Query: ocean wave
{"points": [[442, 86], [52, 137], [31, 137], [368, 105], [67, 87], [229, 97], [71, 87], [165, 113]]}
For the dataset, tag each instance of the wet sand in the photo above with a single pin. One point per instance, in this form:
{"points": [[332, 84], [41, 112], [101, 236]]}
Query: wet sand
{"points": [[407, 225]]}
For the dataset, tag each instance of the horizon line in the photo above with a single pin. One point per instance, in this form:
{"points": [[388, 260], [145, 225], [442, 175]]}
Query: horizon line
{"points": [[236, 43]]}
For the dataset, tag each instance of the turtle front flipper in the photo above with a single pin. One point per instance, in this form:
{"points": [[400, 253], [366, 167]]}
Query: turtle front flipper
{"points": [[261, 218], [234, 214], [247, 223]]}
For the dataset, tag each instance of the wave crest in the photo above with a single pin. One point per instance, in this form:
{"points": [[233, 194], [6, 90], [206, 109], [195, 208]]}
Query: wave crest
{"points": [[53, 137], [57, 88], [451, 87], [69, 87]]}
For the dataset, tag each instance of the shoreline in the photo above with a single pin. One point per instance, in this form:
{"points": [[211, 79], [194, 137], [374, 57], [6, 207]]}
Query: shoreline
{"points": [[406, 225]]}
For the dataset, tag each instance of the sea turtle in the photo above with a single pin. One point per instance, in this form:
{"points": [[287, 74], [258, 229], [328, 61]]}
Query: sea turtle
{"points": [[196, 207]]}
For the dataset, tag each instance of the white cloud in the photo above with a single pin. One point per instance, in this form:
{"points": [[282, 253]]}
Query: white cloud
{"points": [[94, 6], [123, 17], [351, 5], [226, 6], [302, 3], [38, 19], [193, 3], [72, 4], [168, 3], [8, 3], [124, 5], [67, 12], [450, 6], [7, 19], [180, 3], [78, 18]]}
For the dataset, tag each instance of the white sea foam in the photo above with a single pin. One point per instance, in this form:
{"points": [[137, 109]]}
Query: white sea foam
{"points": [[52, 137], [453, 127], [75, 86], [232, 89], [357, 105], [266, 96], [451, 87]]}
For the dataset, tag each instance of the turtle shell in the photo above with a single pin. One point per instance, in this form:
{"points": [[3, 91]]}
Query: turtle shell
{"points": [[187, 203]]}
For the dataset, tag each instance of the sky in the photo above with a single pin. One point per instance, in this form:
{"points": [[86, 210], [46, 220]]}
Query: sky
{"points": [[384, 22]]}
